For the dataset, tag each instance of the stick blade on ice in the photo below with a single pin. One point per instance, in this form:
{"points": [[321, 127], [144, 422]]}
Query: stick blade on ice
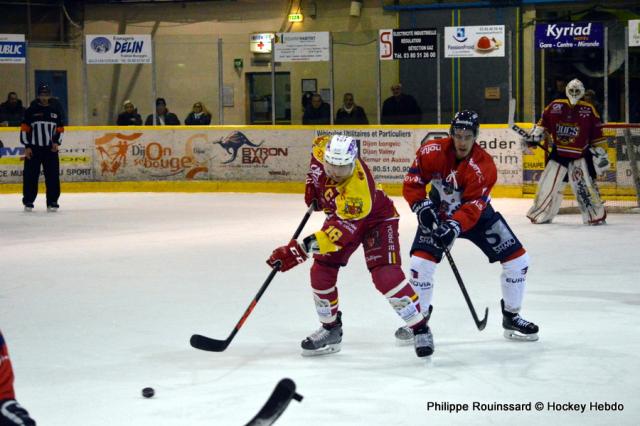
{"points": [[208, 344], [283, 393]]}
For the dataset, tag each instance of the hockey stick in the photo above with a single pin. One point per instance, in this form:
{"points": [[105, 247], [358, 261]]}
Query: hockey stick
{"points": [[283, 393], [519, 130], [214, 345], [480, 324]]}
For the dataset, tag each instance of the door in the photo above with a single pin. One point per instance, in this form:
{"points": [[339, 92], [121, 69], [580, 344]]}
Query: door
{"points": [[259, 89], [57, 81]]}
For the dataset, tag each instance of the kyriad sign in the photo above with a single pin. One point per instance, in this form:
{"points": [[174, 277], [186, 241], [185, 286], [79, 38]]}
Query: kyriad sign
{"points": [[119, 49], [569, 35]]}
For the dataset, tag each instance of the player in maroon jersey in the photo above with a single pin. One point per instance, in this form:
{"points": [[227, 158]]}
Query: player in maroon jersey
{"points": [[573, 129], [358, 213], [11, 413], [462, 174]]}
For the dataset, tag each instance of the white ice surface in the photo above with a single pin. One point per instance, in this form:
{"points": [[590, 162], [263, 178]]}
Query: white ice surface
{"points": [[99, 300]]}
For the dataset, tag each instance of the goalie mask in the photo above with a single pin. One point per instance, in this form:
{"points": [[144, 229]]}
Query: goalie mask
{"points": [[574, 91], [340, 157]]}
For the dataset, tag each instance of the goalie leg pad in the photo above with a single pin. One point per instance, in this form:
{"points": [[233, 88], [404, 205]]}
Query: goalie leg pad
{"points": [[549, 194], [325, 292], [587, 193]]}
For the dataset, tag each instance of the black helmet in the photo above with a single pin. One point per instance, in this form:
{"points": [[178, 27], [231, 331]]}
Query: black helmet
{"points": [[43, 88], [466, 119]]}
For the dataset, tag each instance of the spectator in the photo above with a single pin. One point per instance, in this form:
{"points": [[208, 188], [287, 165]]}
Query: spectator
{"points": [[130, 116], [400, 108], [350, 113], [199, 116], [590, 98], [163, 116], [11, 111], [318, 112], [560, 86]]}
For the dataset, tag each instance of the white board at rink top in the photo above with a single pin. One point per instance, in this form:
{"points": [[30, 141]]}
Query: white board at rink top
{"points": [[255, 153], [118, 49]]}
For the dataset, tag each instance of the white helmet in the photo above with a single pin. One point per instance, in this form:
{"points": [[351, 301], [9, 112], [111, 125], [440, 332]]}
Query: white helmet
{"points": [[574, 91], [340, 157]]}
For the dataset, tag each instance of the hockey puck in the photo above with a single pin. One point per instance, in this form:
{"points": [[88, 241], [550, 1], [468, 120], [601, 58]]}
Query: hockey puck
{"points": [[148, 392]]}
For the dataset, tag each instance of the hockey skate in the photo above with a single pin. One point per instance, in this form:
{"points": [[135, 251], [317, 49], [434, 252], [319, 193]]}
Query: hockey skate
{"points": [[28, 207], [423, 342], [12, 413], [517, 328], [325, 340], [404, 335], [53, 207]]}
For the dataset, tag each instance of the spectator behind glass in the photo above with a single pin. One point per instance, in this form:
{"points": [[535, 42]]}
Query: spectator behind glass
{"points": [[317, 112], [164, 117], [559, 89], [350, 113], [11, 111], [590, 97], [400, 108], [199, 116], [130, 116]]}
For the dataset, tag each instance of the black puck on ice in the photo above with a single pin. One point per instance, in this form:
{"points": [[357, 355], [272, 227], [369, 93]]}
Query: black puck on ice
{"points": [[148, 392]]}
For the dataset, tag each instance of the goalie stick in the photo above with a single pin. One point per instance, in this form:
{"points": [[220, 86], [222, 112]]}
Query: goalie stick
{"points": [[283, 393], [517, 129], [214, 345]]}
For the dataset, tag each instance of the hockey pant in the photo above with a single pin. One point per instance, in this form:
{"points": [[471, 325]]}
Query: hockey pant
{"points": [[513, 280], [551, 188]]}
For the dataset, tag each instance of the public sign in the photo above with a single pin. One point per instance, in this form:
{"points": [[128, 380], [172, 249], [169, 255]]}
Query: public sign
{"points": [[569, 35], [119, 49], [301, 47], [260, 43], [13, 49], [634, 32], [408, 44], [479, 41]]}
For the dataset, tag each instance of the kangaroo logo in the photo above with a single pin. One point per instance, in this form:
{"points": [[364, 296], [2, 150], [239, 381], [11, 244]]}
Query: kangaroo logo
{"points": [[232, 144]]}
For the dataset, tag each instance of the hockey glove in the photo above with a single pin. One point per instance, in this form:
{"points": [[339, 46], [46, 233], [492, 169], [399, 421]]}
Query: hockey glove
{"points": [[12, 413], [600, 159], [310, 197], [446, 233], [426, 212], [535, 137], [287, 256]]}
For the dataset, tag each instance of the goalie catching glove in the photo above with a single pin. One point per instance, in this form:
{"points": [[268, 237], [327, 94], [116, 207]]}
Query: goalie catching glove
{"points": [[600, 159], [287, 257]]}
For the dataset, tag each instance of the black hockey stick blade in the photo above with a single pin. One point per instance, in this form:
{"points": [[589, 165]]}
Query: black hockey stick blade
{"points": [[283, 393], [482, 324], [205, 343]]}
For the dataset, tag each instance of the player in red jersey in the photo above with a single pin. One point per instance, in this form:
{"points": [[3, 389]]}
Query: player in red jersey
{"points": [[573, 128], [342, 186], [11, 413], [462, 174]]}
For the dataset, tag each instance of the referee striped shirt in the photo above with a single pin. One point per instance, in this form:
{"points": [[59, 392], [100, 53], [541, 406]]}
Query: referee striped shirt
{"points": [[42, 126]]}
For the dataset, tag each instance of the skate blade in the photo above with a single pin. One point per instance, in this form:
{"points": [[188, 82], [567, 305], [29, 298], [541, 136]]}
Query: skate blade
{"points": [[519, 337], [52, 209], [326, 350], [424, 354], [28, 209], [404, 342]]}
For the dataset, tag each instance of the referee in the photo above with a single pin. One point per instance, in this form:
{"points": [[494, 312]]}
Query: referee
{"points": [[41, 134]]}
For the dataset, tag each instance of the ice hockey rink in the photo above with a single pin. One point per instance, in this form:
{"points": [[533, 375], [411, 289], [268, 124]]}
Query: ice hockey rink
{"points": [[99, 300]]}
